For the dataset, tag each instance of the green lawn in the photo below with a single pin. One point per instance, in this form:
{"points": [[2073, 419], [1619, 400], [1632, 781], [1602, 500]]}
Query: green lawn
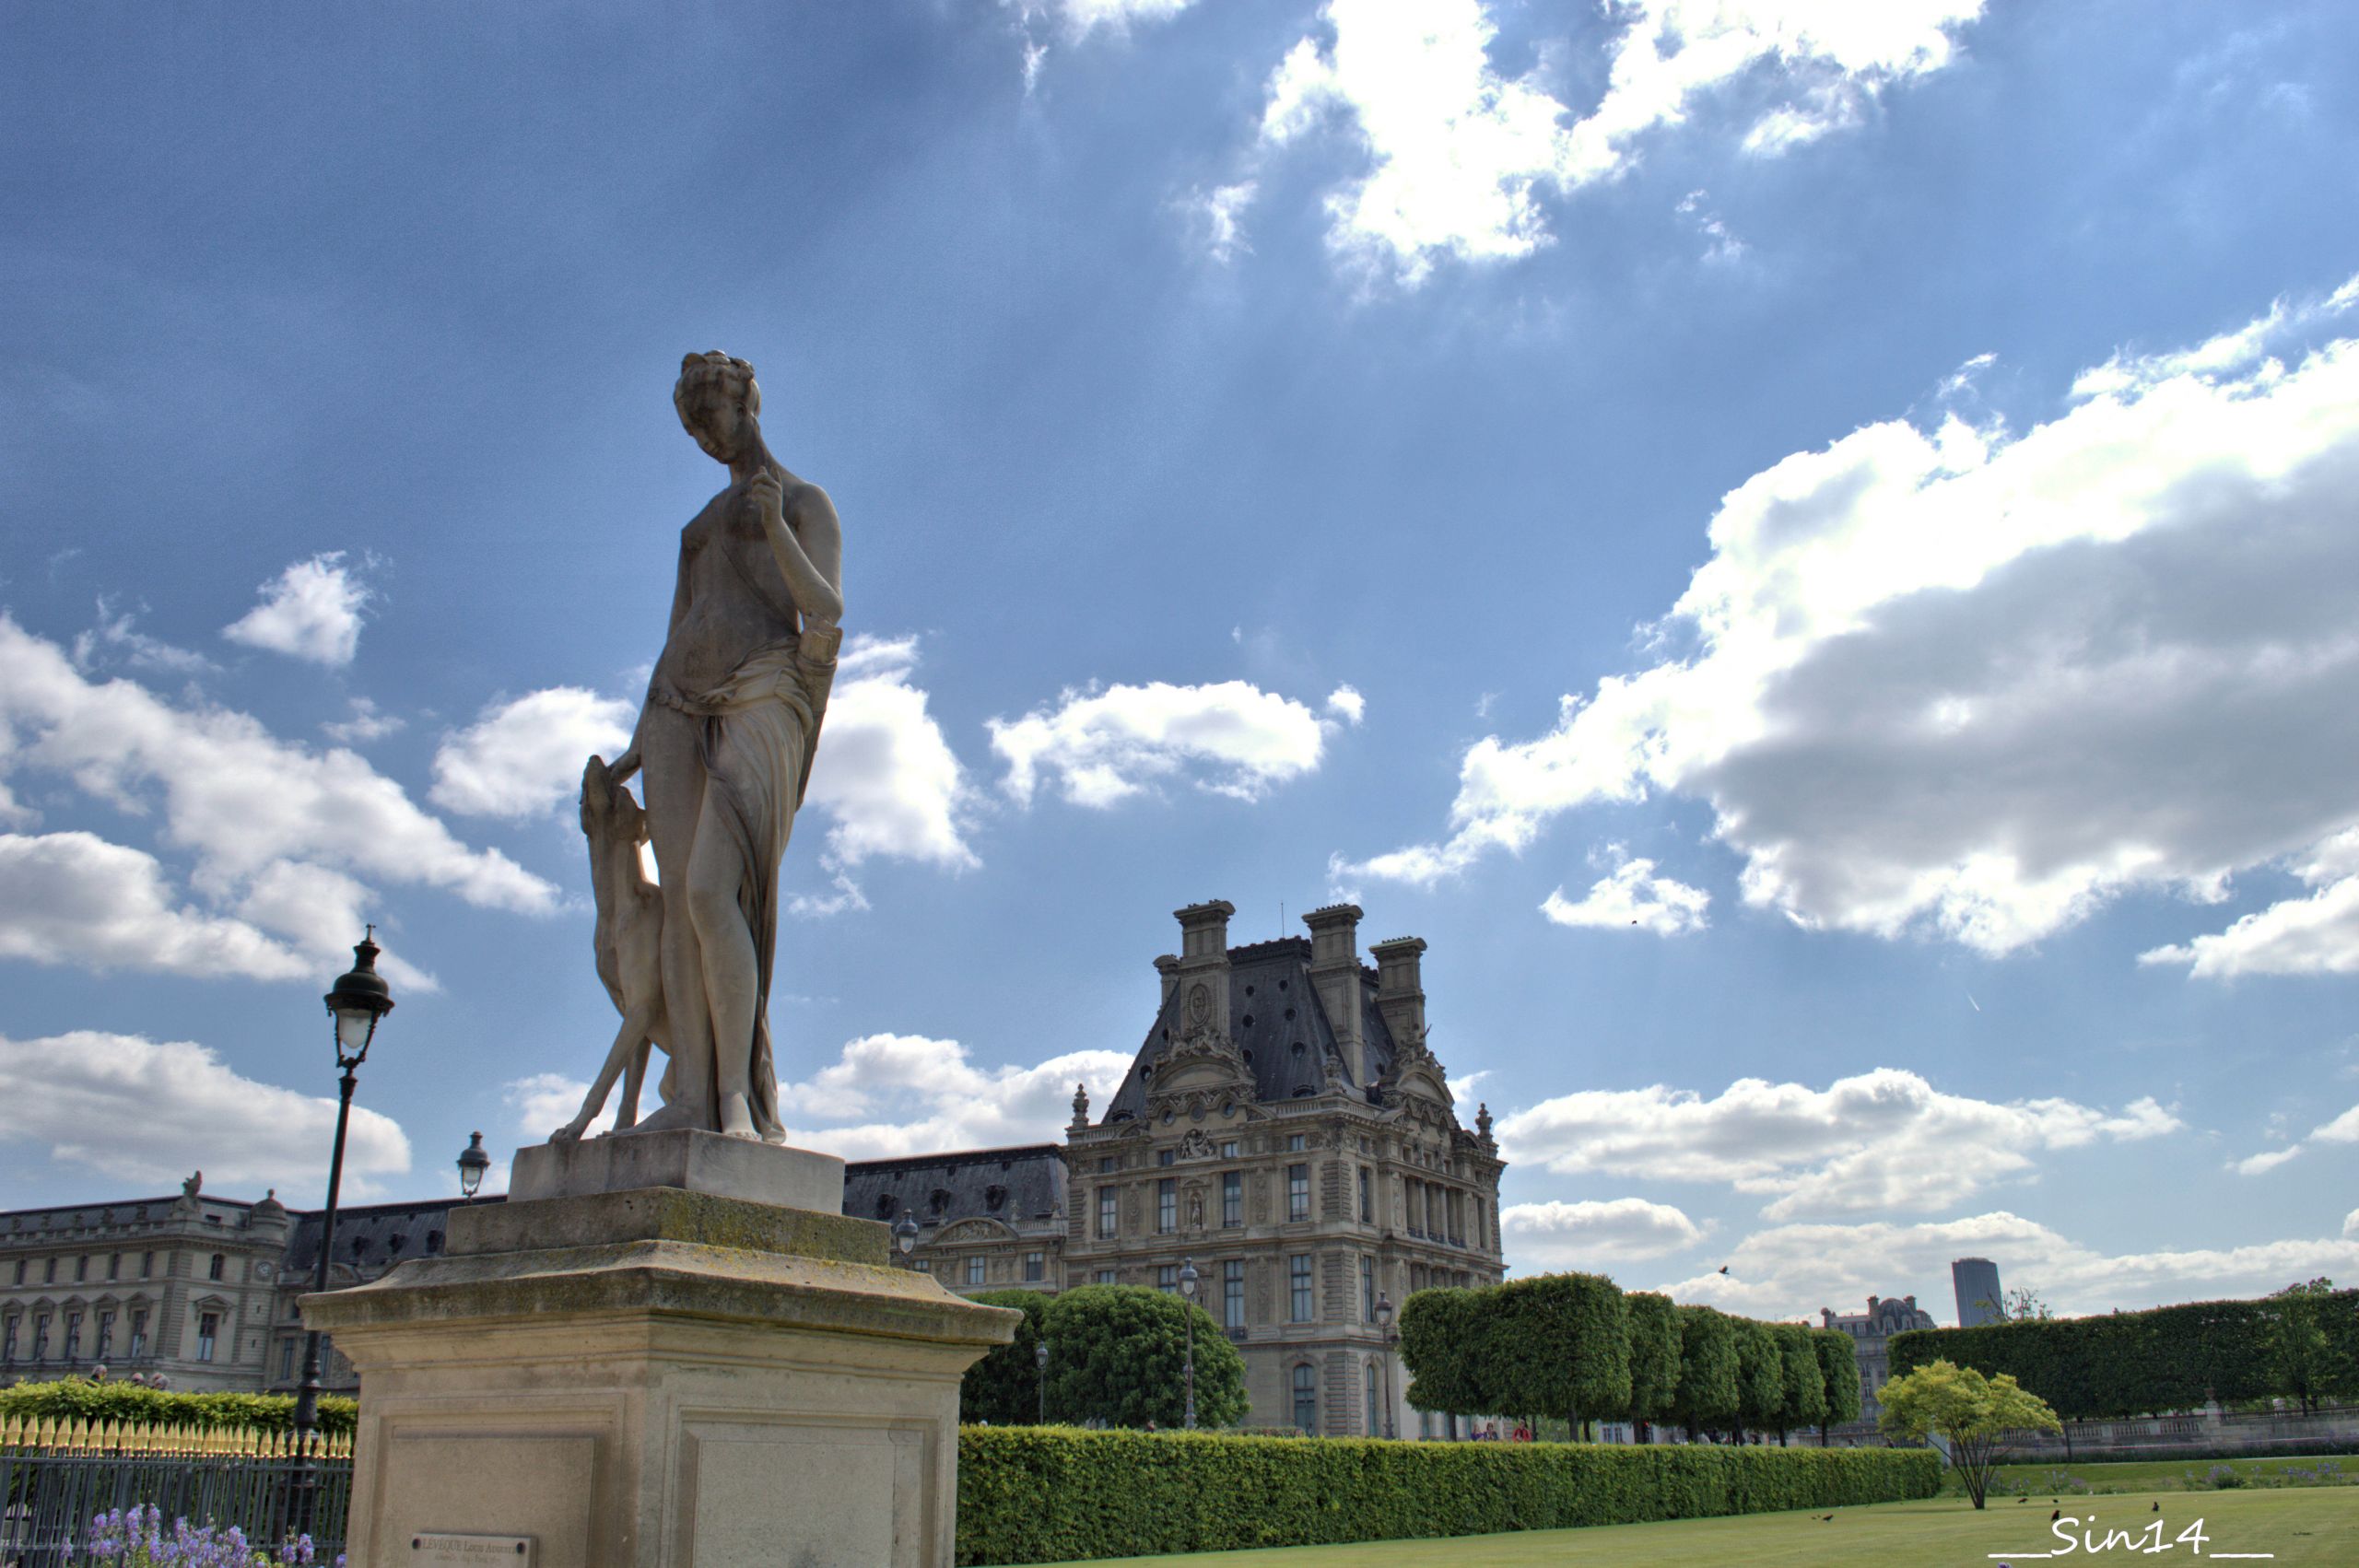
{"points": [[2046, 1479], [2301, 1527]]}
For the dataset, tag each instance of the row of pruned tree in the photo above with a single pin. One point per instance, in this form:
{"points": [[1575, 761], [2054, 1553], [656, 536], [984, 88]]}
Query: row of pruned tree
{"points": [[1579, 1347], [2300, 1344]]}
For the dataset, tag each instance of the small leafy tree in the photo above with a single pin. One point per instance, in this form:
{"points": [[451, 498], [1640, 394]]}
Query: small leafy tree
{"points": [[1004, 1388], [1440, 1330], [1654, 1358], [1760, 1377], [1555, 1344], [1117, 1354], [1708, 1396], [2303, 1361], [1839, 1366], [1974, 1413], [2019, 1305], [1805, 1402]]}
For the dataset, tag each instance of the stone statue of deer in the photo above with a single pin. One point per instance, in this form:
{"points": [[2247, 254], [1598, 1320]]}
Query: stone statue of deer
{"points": [[629, 940]]}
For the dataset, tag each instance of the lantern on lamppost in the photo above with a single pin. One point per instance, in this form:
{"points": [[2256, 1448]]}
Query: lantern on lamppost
{"points": [[357, 1002], [1384, 1325], [1040, 1359], [472, 1163], [905, 1237], [1188, 1278]]}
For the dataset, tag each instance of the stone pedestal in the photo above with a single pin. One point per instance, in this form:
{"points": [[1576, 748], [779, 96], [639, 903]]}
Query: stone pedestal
{"points": [[660, 1374]]}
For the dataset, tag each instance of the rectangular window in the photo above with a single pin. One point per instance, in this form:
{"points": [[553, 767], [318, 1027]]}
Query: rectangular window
{"points": [[1416, 1216], [1306, 1400], [1167, 1156], [1232, 1293], [1105, 1163], [114, 1265], [20, 1271], [213, 1270], [1229, 1149], [49, 1272], [1108, 1204], [1368, 1204], [1299, 1277], [208, 1327], [1298, 1192], [1166, 1204], [81, 1267], [1035, 1266], [73, 1336], [287, 1361], [1167, 1278], [1103, 1277], [975, 1270], [1232, 1197], [1296, 1143], [41, 1336], [147, 1265], [1368, 1289], [923, 1265], [138, 1335], [8, 1341], [106, 1336]]}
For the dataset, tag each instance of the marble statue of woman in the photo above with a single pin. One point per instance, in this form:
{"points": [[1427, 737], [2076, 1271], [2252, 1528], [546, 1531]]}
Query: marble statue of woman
{"points": [[723, 749]]}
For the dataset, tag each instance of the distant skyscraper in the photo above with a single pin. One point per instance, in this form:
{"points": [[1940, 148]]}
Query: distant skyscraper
{"points": [[1976, 1280]]}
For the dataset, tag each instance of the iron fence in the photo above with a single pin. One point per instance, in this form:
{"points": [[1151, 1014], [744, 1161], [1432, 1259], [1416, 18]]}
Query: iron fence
{"points": [[48, 1499]]}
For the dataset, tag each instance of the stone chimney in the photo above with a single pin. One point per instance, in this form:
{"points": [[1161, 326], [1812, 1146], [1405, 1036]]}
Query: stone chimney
{"points": [[1169, 968], [1401, 986], [1335, 974], [1202, 962]]}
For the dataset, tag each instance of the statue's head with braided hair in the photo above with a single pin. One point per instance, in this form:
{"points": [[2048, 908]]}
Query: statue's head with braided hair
{"points": [[720, 403]]}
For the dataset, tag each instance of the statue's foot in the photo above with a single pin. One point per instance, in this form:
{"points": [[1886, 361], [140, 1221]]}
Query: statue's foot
{"points": [[664, 1118], [572, 1131], [737, 1118]]}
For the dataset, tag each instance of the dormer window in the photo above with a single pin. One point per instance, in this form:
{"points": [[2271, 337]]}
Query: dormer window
{"points": [[884, 1205], [994, 1197], [940, 1199]]}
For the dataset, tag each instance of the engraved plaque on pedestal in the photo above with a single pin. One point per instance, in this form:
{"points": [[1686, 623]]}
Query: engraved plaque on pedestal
{"points": [[441, 1548]]}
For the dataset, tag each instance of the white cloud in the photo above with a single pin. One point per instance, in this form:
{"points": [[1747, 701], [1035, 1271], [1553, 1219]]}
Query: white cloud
{"points": [[1584, 1234], [240, 801], [309, 610], [886, 775], [148, 1112], [1218, 214], [1081, 17], [522, 757], [1792, 1270], [1101, 747], [1964, 683], [545, 1101], [2343, 1128], [1347, 704], [118, 634], [2351, 1226], [1632, 895], [365, 725], [891, 1095], [75, 898], [1886, 1140], [1457, 152]]}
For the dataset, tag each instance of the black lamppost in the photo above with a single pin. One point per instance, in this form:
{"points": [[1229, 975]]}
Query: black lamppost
{"points": [[1384, 1323], [473, 1163], [1187, 1296], [905, 1235], [1040, 1359], [359, 1002]]}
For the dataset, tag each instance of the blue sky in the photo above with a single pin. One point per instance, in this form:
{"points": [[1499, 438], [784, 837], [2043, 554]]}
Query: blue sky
{"points": [[1807, 548]]}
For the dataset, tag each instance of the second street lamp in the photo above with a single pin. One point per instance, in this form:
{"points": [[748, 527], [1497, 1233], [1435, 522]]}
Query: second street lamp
{"points": [[905, 1237], [1384, 1325], [1188, 1303], [359, 1002], [1040, 1359], [473, 1163]]}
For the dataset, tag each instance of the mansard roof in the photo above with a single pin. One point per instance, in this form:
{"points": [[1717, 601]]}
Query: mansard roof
{"points": [[1292, 1057], [1016, 1184], [372, 1236]]}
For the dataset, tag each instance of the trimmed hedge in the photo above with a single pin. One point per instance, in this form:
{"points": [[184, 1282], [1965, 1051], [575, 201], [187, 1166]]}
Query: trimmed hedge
{"points": [[1059, 1494], [72, 1398], [2128, 1363]]}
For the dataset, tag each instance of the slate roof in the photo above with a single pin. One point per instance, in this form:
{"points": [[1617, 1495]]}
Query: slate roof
{"points": [[1017, 1185], [1268, 981], [373, 1237]]}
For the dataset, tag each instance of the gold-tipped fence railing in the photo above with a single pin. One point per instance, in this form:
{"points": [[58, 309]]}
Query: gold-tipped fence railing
{"points": [[58, 1474]]}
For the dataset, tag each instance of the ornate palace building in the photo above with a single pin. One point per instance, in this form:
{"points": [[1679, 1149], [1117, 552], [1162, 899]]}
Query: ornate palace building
{"points": [[1283, 1127]]}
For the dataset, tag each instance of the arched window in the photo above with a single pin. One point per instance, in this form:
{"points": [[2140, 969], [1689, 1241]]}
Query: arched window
{"points": [[1375, 1427], [1306, 1400]]}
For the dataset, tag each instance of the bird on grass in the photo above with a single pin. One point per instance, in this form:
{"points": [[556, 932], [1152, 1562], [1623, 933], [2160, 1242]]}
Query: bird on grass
{"points": [[2157, 1507], [2058, 1514], [1824, 1517]]}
